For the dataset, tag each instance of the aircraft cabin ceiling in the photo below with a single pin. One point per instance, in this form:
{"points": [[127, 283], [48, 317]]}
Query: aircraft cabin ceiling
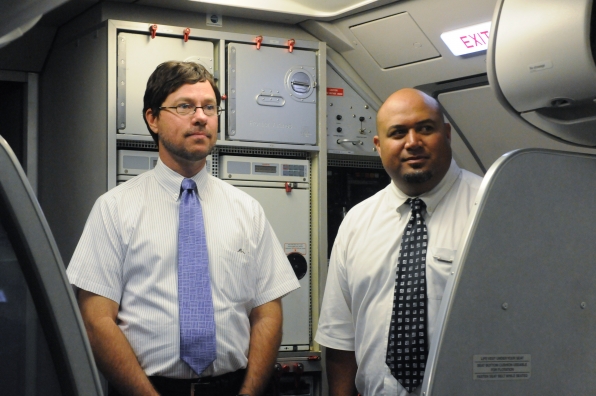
{"points": [[381, 45], [285, 11], [411, 30]]}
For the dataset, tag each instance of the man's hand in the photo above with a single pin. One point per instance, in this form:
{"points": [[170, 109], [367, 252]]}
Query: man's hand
{"points": [[265, 338], [113, 354]]}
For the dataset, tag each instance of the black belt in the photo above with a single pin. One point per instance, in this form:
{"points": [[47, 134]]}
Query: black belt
{"points": [[221, 385]]}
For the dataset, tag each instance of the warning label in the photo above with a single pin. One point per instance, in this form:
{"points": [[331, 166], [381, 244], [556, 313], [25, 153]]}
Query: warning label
{"points": [[502, 367], [295, 248], [335, 91]]}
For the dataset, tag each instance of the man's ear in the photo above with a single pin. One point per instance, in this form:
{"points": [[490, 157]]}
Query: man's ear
{"points": [[377, 144], [151, 120], [448, 131]]}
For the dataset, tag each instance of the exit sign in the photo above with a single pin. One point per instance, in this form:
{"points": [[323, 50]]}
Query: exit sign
{"points": [[468, 40]]}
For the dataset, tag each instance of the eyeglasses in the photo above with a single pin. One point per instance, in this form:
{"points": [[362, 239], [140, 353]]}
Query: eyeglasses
{"points": [[186, 109]]}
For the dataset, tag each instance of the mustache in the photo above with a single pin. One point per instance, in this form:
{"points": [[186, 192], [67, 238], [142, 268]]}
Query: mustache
{"points": [[198, 131]]}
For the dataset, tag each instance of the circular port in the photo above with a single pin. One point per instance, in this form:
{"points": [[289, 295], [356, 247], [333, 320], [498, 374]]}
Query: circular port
{"points": [[298, 263]]}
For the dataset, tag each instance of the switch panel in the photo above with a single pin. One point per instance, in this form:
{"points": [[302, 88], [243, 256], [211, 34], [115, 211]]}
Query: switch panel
{"points": [[351, 123]]}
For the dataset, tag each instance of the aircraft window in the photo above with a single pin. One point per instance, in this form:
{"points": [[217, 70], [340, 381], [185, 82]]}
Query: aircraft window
{"points": [[26, 367]]}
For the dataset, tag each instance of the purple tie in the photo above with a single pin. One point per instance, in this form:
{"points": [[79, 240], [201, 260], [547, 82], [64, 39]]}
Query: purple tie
{"points": [[197, 326]]}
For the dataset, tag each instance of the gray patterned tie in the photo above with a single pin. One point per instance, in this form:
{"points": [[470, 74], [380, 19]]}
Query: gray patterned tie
{"points": [[197, 326], [407, 345]]}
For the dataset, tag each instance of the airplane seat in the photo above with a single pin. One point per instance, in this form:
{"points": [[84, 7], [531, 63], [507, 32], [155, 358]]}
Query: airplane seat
{"points": [[44, 348], [518, 315]]}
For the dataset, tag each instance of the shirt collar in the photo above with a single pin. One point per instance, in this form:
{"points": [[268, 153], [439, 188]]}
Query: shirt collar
{"points": [[432, 197], [171, 180]]}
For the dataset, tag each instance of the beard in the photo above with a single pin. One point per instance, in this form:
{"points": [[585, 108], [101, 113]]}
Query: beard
{"points": [[181, 151], [418, 177]]}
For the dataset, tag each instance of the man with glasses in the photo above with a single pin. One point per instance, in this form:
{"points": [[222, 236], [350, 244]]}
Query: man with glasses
{"points": [[127, 265]]}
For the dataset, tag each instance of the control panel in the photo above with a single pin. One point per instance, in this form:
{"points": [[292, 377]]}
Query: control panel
{"points": [[134, 162], [351, 122], [264, 169]]}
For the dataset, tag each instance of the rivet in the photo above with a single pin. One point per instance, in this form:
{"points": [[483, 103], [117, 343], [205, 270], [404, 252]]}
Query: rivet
{"points": [[583, 305], [505, 306]]}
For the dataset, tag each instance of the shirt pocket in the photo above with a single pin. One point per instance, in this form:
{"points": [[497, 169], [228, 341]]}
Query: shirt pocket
{"points": [[438, 269], [234, 274]]}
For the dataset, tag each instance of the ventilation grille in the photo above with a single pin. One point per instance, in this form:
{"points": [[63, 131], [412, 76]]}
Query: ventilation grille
{"points": [[136, 144], [346, 163]]}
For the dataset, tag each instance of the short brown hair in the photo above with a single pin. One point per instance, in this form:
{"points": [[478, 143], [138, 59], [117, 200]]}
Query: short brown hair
{"points": [[167, 78]]}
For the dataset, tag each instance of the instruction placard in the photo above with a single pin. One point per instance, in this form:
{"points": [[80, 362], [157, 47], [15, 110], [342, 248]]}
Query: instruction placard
{"points": [[335, 91], [295, 248], [502, 367]]}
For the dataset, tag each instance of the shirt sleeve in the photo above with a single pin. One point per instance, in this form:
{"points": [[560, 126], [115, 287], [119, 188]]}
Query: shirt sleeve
{"points": [[276, 277], [96, 264], [336, 325]]}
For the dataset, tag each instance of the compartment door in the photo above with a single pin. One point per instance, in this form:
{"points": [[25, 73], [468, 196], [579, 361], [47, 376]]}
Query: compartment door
{"points": [[288, 214], [272, 95], [138, 56]]}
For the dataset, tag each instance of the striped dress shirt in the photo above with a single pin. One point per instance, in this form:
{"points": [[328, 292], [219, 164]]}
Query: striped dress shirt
{"points": [[128, 253]]}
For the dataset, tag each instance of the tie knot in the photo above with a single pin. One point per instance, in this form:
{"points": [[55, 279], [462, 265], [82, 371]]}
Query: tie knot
{"points": [[416, 204], [188, 184]]}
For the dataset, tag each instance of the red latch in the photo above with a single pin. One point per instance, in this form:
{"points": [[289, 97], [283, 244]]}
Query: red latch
{"points": [[153, 30], [224, 97], [186, 34], [259, 40], [291, 43], [288, 187]]}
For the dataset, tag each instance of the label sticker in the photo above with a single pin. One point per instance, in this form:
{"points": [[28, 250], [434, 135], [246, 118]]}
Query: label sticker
{"points": [[335, 91], [295, 248], [502, 367]]}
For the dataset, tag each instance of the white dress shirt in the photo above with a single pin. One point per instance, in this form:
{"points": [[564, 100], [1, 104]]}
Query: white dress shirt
{"points": [[129, 250], [356, 310]]}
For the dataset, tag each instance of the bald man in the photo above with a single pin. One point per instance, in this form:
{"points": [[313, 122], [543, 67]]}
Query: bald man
{"points": [[358, 319]]}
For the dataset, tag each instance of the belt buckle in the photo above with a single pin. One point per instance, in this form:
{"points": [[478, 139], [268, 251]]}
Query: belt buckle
{"points": [[200, 381]]}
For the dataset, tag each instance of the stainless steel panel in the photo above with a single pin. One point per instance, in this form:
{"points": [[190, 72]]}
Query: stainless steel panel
{"points": [[272, 94], [288, 213], [141, 56]]}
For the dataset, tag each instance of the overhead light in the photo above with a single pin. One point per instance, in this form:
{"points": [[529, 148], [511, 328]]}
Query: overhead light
{"points": [[468, 40]]}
